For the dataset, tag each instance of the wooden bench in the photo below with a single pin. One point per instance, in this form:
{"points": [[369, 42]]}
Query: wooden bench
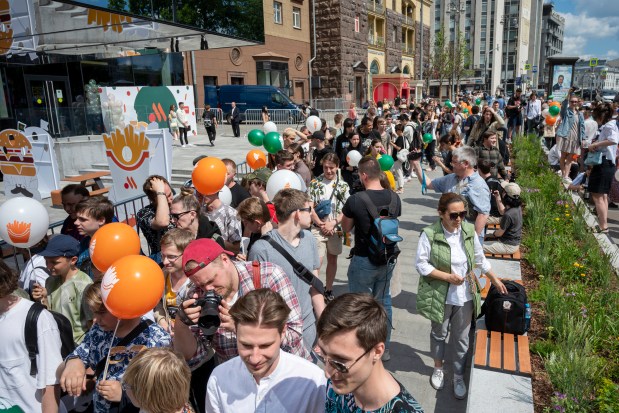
{"points": [[506, 353], [57, 197], [493, 226], [91, 180], [515, 256], [484, 291]]}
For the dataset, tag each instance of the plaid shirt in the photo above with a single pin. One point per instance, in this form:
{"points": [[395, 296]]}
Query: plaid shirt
{"points": [[224, 341], [228, 222], [494, 158]]}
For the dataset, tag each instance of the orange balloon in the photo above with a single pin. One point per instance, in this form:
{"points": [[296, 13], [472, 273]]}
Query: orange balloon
{"points": [[209, 175], [551, 120], [111, 242], [132, 286], [557, 104], [256, 159]]}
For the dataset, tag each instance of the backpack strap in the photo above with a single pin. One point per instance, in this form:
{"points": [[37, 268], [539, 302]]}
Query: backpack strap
{"points": [[123, 343], [299, 269], [31, 335], [256, 277], [369, 205]]}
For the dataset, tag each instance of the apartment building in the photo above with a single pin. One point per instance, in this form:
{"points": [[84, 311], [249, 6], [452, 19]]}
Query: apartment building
{"points": [[553, 26]]}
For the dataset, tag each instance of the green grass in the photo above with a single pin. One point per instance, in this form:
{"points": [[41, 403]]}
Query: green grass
{"points": [[577, 290]]}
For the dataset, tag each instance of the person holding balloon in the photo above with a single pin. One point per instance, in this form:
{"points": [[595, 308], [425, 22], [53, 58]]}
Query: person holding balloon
{"points": [[119, 331], [397, 145], [570, 131], [351, 157]]}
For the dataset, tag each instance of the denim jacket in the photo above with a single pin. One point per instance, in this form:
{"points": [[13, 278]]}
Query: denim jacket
{"points": [[567, 119]]}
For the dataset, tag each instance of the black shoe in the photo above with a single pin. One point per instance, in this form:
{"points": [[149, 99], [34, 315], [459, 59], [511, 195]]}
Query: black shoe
{"points": [[613, 205]]}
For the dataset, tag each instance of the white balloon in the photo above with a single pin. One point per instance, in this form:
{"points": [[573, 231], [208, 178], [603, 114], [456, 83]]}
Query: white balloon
{"points": [[269, 127], [313, 123], [282, 179], [617, 174], [23, 221], [353, 157], [545, 113], [225, 196]]}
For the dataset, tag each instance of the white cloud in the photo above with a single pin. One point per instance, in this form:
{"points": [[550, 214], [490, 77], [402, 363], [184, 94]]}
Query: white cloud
{"points": [[590, 27], [598, 8], [574, 45]]}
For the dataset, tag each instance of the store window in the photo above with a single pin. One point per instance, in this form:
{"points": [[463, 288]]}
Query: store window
{"points": [[277, 12]]}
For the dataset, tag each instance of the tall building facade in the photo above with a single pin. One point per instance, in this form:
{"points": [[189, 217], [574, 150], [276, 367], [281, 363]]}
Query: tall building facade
{"points": [[358, 42], [553, 25], [502, 37], [282, 60]]}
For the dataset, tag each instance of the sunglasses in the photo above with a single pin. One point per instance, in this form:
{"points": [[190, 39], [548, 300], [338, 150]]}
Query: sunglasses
{"points": [[338, 365], [308, 209], [574, 101], [455, 215], [176, 217]]}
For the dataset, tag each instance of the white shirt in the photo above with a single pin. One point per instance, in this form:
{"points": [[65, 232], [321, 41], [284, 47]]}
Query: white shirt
{"points": [[35, 271], [554, 156], [16, 384], [296, 385], [457, 294], [609, 132], [591, 127], [534, 108], [182, 117]]}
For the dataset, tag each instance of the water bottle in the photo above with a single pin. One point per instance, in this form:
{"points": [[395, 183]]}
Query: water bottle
{"points": [[527, 317]]}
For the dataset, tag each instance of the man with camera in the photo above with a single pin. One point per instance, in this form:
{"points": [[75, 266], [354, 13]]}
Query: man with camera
{"points": [[217, 282]]}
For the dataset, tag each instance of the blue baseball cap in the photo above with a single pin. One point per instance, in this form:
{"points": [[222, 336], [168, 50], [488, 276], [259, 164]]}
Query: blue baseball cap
{"points": [[61, 246]]}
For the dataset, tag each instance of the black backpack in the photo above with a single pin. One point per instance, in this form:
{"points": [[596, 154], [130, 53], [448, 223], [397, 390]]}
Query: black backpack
{"points": [[31, 335], [506, 313], [383, 238]]}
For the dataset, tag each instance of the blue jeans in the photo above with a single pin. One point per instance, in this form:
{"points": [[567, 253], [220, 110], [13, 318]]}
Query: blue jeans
{"points": [[365, 277]]}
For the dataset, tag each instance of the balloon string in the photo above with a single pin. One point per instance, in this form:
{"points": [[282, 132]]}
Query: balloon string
{"points": [[109, 351], [424, 189]]}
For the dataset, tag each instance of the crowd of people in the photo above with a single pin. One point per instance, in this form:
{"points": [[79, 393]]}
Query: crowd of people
{"points": [[244, 324]]}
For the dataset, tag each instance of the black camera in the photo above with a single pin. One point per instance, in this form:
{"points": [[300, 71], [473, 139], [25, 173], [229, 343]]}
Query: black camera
{"points": [[209, 316]]}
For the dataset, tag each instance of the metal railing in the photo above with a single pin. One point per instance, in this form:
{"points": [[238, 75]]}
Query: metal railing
{"points": [[279, 116], [331, 104], [407, 49], [377, 41], [408, 20], [219, 115]]}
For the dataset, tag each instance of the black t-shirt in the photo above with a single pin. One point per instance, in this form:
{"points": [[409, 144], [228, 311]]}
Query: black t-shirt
{"points": [[341, 147], [511, 222], [366, 138], [447, 157], [493, 185], [355, 208], [239, 194], [399, 142], [318, 155], [513, 101]]}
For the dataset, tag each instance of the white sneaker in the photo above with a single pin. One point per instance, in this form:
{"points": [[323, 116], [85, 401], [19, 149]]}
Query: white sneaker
{"points": [[438, 379], [386, 355], [183, 146], [567, 180], [459, 388], [413, 175], [191, 144]]}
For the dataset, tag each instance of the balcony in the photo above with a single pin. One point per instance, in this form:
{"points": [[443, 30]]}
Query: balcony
{"points": [[408, 50], [376, 7], [408, 21], [376, 41]]}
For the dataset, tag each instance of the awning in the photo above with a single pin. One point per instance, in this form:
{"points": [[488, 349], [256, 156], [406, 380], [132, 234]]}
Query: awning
{"points": [[69, 27]]}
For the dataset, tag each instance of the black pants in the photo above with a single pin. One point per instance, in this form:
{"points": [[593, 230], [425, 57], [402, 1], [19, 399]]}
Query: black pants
{"points": [[236, 130], [212, 133], [199, 380], [182, 132], [429, 151]]}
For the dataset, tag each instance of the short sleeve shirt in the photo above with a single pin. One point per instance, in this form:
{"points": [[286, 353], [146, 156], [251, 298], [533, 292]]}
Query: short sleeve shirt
{"points": [[473, 188], [356, 209], [320, 189], [511, 222], [403, 402], [228, 222], [144, 218]]}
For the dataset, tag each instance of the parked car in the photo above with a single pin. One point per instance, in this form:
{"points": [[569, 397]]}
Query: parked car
{"points": [[608, 95], [251, 97]]}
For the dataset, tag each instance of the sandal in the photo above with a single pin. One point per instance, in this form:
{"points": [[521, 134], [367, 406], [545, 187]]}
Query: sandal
{"points": [[599, 230]]}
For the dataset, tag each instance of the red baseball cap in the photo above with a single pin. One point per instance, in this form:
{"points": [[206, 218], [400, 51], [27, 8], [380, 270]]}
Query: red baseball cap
{"points": [[203, 251]]}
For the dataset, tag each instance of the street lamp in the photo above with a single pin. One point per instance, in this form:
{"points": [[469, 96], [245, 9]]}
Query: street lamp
{"points": [[512, 21], [455, 8]]}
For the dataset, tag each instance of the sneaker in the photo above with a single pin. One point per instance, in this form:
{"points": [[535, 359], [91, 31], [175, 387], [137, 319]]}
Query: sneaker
{"points": [[438, 379], [328, 294], [459, 388], [191, 144], [386, 355], [567, 181], [413, 175], [183, 146]]}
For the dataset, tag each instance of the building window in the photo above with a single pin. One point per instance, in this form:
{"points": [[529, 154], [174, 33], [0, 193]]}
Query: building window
{"points": [[406, 70], [210, 80], [273, 74], [296, 17], [277, 12], [237, 80], [357, 23], [374, 67]]}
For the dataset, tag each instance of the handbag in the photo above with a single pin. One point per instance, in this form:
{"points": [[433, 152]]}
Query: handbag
{"points": [[323, 209], [593, 158]]}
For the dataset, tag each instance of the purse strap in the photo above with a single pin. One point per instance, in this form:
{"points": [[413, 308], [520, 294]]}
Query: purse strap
{"points": [[255, 272]]}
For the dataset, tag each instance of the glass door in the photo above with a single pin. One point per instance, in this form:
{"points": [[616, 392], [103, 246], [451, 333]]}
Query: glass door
{"points": [[50, 104]]}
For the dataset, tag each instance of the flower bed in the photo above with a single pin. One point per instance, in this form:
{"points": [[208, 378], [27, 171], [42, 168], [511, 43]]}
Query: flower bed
{"points": [[576, 299]]}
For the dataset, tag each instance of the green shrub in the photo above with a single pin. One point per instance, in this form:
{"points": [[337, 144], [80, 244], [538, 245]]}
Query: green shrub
{"points": [[608, 397]]}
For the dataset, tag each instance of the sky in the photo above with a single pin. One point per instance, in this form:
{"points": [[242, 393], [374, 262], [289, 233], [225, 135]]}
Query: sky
{"points": [[591, 28]]}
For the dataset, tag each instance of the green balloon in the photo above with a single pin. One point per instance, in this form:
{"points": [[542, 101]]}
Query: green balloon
{"points": [[465, 110], [477, 101], [272, 143], [554, 110], [385, 162], [449, 104], [427, 137], [256, 137]]}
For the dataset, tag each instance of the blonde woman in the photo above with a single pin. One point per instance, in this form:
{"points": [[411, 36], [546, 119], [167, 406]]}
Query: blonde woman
{"points": [[173, 122]]}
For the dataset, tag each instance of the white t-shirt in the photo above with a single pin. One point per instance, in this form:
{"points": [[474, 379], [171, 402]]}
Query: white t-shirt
{"points": [[591, 127], [35, 270], [296, 385], [16, 383]]}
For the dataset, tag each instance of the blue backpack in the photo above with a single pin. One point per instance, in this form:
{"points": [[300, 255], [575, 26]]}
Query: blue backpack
{"points": [[383, 238]]}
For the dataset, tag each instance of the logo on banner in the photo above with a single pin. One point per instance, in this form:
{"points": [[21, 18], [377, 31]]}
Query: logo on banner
{"points": [[17, 165], [6, 32], [128, 158]]}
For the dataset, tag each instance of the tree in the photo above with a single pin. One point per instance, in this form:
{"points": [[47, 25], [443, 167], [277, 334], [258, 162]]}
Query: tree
{"points": [[461, 61], [438, 65]]}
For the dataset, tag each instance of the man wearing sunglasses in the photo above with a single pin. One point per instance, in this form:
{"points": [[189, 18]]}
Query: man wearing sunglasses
{"points": [[211, 268], [263, 377], [464, 181], [351, 341]]}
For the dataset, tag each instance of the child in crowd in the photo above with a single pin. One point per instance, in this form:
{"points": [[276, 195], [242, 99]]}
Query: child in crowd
{"points": [[92, 214], [72, 195]]}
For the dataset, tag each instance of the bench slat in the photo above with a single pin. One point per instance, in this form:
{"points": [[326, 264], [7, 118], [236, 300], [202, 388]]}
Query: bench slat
{"points": [[495, 350], [509, 353], [524, 358], [481, 346]]}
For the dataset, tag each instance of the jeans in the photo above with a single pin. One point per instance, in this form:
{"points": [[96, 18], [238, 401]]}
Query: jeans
{"points": [[182, 132], [365, 277]]}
